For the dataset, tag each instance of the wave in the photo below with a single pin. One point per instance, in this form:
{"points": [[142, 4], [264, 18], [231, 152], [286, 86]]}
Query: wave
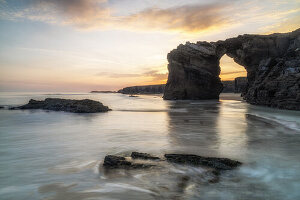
{"points": [[286, 123], [119, 187]]}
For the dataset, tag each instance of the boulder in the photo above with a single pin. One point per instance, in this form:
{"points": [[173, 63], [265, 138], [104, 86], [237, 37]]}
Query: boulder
{"points": [[68, 105]]}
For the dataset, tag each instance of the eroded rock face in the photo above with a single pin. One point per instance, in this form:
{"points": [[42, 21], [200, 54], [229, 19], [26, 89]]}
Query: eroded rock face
{"points": [[272, 63], [193, 72], [68, 105]]}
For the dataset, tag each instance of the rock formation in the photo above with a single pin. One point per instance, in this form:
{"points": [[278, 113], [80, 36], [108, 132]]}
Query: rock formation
{"points": [[272, 63], [68, 105], [145, 89], [240, 85], [228, 86]]}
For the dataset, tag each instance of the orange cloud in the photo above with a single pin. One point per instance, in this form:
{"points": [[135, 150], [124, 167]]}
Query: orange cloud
{"points": [[87, 14], [188, 18], [151, 75]]}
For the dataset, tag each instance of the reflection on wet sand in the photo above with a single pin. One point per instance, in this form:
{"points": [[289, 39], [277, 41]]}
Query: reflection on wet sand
{"points": [[193, 126], [232, 125]]}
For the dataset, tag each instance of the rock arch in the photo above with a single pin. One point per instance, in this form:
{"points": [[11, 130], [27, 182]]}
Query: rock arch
{"points": [[272, 63]]}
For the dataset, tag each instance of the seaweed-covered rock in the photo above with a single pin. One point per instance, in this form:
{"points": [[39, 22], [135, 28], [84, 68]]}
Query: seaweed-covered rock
{"points": [[68, 105]]}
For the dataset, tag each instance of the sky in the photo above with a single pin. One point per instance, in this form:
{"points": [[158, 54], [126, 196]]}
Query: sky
{"points": [[84, 45]]}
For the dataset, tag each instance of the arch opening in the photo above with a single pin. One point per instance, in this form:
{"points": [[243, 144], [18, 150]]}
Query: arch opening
{"points": [[232, 75]]}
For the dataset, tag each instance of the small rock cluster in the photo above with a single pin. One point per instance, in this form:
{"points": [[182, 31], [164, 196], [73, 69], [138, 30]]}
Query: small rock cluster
{"points": [[113, 162]]}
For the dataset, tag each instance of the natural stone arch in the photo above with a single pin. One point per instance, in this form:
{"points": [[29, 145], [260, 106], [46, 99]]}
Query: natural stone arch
{"points": [[230, 69], [272, 63]]}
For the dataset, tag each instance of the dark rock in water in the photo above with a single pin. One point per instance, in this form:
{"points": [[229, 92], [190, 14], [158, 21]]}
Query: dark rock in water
{"points": [[1, 107], [75, 106], [113, 162], [216, 163], [272, 63], [144, 156]]}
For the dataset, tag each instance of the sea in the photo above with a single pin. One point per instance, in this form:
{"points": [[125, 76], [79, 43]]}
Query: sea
{"points": [[58, 155]]}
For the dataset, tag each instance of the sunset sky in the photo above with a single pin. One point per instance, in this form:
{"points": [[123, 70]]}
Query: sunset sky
{"points": [[83, 45]]}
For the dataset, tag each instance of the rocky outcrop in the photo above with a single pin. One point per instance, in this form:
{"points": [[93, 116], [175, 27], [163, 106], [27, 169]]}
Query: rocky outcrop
{"points": [[228, 87], [272, 63], [219, 164], [68, 105], [146, 89], [240, 85], [193, 72], [105, 91]]}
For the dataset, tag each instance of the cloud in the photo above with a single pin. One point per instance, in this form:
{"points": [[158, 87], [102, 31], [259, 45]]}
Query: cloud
{"points": [[155, 75], [87, 14], [235, 72], [81, 13], [188, 18]]}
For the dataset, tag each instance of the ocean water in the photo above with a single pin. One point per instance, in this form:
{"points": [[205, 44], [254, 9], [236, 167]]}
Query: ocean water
{"points": [[56, 155]]}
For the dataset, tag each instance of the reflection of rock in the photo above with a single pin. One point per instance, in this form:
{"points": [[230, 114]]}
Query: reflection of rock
{"points": [[271, 61], [190, 122], [216, 163], [56, 104], [146, 89]]}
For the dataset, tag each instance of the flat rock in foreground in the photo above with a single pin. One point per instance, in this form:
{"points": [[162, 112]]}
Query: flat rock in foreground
{"points": [[68, 105], [111, 161]]}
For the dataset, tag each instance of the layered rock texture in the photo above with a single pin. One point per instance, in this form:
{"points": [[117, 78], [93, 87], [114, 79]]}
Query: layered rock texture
{"points": [[68, 105], [272, 63]]}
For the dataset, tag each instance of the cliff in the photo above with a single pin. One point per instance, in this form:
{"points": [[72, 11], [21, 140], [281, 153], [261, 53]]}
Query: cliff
{"points": [[145, 89]]}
